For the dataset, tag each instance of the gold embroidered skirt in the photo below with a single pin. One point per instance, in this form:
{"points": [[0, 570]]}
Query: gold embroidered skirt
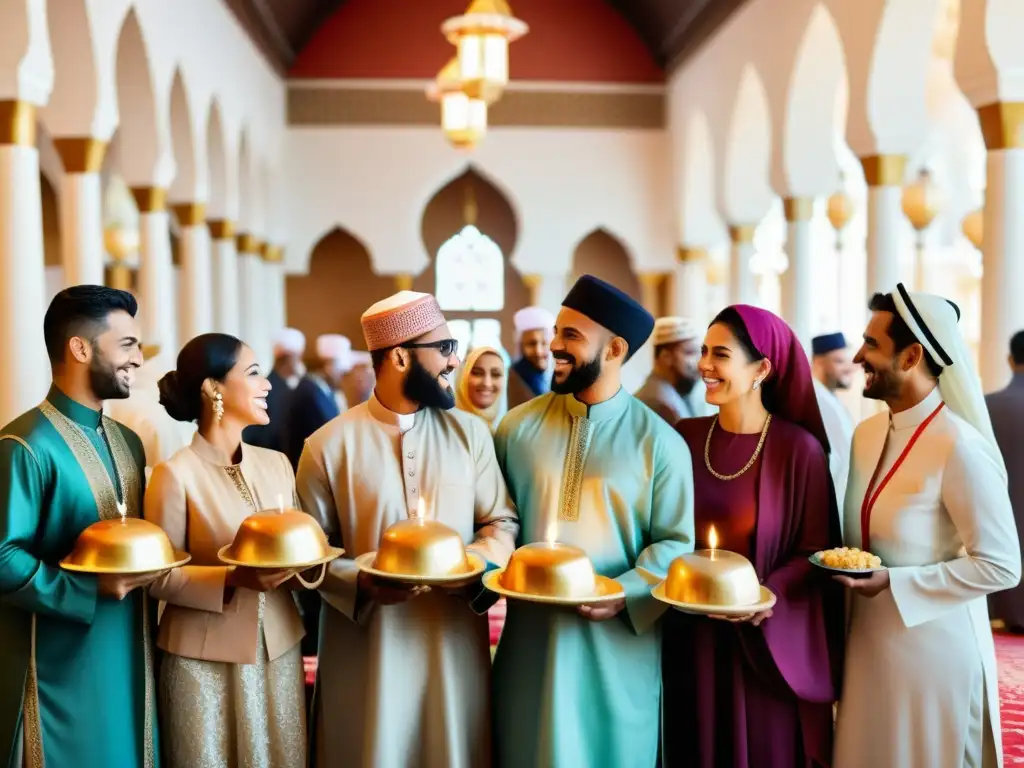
{"points": [[218, 715]]}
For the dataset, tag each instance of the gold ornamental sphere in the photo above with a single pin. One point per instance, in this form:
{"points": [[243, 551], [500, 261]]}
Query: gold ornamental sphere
{"points": [[421, 548], [120, 242], [284, 539], [973, 227], [123, 546], [922, 201], [713, 577], [840, 210]]}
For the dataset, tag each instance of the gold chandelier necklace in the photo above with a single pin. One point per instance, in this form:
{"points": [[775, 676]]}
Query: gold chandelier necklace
{"points": [[749, 464]]}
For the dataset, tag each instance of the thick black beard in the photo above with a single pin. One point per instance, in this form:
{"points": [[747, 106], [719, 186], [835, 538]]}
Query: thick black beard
{"points": [[886, 385], [103, 379], [581, 377], [423, 387]]}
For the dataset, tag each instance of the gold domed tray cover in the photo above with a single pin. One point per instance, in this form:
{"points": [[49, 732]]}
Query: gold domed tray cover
{"points": [[281, 540], [123, 546], [422, 551], [552, 574], [714, 582]]}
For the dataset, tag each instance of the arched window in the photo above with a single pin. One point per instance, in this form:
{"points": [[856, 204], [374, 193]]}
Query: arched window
{"points": [[470, 273]]}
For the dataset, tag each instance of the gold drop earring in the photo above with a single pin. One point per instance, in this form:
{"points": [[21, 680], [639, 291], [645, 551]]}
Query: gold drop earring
{"points": [[218, 406]]}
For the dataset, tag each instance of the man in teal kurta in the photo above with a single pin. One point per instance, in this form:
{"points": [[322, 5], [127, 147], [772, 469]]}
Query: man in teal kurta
{"points": [[76, 678], [589, 465]]}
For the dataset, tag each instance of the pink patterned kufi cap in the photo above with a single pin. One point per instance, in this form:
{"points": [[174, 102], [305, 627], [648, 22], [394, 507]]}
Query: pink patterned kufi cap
{"points": [[400, 318]]}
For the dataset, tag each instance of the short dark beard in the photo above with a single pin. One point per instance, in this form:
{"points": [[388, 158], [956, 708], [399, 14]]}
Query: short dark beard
{"points": [[886, 385], [581, 377], [422, 387], [103, 378]]}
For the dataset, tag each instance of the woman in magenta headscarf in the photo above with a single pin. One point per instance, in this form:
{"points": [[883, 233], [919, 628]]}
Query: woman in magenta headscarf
{"points": [[758, 692]]}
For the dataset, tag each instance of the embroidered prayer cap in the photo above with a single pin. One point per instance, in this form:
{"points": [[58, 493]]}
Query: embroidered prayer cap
{"points": [[610, 308], [668, 330], [933, 320], [405, 316], [828, 342], [289, 341], [534, 319], [793, 396]]}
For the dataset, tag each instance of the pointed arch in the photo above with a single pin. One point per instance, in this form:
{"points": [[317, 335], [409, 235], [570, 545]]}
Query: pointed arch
{"points": [[74, 102], [136, 103], [216, 149], [700, 221], [745, 191], [604, 255], [183, 187]]}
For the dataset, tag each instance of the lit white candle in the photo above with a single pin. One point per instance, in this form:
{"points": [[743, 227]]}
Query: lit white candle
{"points": [[280, 504], [712, 540], [421, 509]]}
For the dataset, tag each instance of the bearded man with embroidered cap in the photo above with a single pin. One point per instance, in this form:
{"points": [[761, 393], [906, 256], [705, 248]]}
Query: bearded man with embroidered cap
{"points": [[928, 494], [530, 375], [76, 673], [589, 465], [674, 389], [404, 673]]}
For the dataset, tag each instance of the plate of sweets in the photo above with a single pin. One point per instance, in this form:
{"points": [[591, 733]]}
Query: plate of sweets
{"points": [[848, 561]]}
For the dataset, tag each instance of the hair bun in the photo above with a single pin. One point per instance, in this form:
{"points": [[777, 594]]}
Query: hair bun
{"points": [[174, 400]]}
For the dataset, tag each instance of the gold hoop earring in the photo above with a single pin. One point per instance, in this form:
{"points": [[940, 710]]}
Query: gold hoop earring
{"points": [[218, 406]]}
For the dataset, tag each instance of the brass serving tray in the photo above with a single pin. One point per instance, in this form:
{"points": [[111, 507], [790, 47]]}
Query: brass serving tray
{"points": [[608, 590], [702, 609], [477, 566]]}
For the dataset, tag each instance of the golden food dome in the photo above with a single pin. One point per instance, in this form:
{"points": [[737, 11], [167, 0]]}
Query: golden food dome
{"points": [[123, 546], [286, 538], [713, 577], [552, 570], [423, 548]]}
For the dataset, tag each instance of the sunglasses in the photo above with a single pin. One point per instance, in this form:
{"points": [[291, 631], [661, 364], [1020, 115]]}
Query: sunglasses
{"points": [[447, 347]]}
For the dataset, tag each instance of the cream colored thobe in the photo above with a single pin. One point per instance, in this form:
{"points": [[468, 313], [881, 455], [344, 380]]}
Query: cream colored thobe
{"points": [[404, 685], [920, 687], [839, 430]]}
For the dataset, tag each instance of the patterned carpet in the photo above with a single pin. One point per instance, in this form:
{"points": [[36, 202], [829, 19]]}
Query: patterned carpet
{"points": [[1010, 656]]}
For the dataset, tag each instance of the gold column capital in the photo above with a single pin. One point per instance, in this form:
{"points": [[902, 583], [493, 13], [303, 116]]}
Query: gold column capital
{"points": [[651, 279], [18, 123], [246, 243], [1002, 124], [742, 233], [273, 254], [150, 199], [532, 280], [686, 254], [403, 281], [189, 214], [798, 208], [149, 351], [81, 154], [221, 229], [884, 170]]}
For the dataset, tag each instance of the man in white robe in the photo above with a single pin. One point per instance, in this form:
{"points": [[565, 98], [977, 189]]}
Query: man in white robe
{"points": [[927, 494], [404, 674], [832, 366], [674, 389], [530, 375]]}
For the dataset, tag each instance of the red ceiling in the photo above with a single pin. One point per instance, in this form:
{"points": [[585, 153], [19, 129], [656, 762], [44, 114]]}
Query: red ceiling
{"points": [[569, 41]]}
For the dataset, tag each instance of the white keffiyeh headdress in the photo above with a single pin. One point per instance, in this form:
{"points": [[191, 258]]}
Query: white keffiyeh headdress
{"points": [[934, 322]]}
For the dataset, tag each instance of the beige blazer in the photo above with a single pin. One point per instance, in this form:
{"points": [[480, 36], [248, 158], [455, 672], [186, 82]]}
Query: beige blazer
{"points": [[200, 500]]}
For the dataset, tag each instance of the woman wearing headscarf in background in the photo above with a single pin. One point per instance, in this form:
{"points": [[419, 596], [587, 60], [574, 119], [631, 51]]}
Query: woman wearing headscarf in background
{"points": [[482, 390], [483, 385], [758, 691]]}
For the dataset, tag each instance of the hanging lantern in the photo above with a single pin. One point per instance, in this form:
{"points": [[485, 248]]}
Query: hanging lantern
{"points": [[840, 211], [973, 227], [120, 243], [482, 35], [463, 117], [921, 201]]}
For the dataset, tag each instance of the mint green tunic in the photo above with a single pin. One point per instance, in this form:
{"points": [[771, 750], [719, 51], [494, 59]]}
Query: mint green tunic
{"points": [[617, 481], [75, 668]]}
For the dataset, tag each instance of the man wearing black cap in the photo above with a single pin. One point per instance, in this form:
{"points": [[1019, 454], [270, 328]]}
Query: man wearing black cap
{"points": [[833, 369], [590, 466]]}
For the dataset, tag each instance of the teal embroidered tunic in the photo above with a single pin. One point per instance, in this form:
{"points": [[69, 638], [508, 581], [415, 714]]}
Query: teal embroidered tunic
{"points": [[76, 683]]}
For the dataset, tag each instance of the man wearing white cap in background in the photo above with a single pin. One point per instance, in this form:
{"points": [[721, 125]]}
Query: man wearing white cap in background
{"points": [[928, 495], [318, 398], [832, 365], [289, 347], [530, 375], [357, 385], [404, 672], [674, 389]]}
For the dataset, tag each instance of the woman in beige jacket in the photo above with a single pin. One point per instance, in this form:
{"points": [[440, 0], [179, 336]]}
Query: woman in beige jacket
{"points": [[231, 683]]}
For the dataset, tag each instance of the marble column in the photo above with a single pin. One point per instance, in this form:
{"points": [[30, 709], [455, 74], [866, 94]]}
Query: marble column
{"points": [[1002, 311], [798, 279], [24, 374], [689, 294], [273, 258], [884, 177], [195, 282], [249, 298], [226, 280], [650, 291], [81, 210], [155, 286], [742, 286]]}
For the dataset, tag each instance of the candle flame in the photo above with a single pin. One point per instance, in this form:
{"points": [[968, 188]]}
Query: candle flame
{"points": [[551, 531], [712, 538]]}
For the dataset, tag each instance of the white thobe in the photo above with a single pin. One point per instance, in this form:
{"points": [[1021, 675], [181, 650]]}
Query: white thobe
{"points": [[920, 688], [408, 685], [839, 430]]}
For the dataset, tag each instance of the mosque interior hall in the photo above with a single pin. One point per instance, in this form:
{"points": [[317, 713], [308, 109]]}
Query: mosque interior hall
{"points": [[249, 166]]}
